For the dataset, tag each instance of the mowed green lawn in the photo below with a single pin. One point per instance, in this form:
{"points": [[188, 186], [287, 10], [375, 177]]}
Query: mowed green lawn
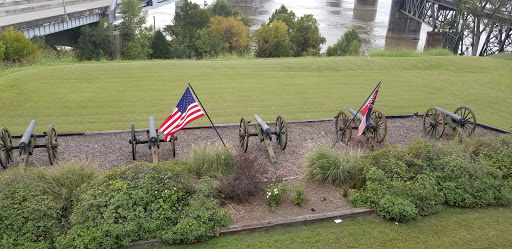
{"points": [[452, 228], [104, 96]]}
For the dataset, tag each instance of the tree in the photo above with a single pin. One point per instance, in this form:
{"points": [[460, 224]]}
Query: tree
{"points": [[231, 31], [282, 14], [348, 44], [17, 46], [479, 18], [96, 42], [133, 19], [272, 40], [306, 38], [224, 9], [160, 46], [184, 29]]}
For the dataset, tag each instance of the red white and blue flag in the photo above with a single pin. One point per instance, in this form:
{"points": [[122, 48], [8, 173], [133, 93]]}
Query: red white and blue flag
{"points": [[367, 111], [185, 112]]}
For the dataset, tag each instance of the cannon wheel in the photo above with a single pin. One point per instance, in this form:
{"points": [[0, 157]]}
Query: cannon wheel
{"points": [[379, 128], [5, 147], [52, 144], [281, 132], [133, 141], [243, 134], [433, 123], [469, 124], [340, 121]]}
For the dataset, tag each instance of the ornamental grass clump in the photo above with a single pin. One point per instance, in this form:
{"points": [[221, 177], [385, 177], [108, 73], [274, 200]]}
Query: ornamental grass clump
{"points": [[326, 165], [213, 161]]}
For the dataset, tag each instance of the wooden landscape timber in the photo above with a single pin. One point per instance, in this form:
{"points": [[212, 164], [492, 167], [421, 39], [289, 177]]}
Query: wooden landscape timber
{"points": [[152, 140], [27, 145], [463, 121]]}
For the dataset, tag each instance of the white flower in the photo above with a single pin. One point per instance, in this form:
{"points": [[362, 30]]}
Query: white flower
{"points": [[275, 190], [156, 192]]}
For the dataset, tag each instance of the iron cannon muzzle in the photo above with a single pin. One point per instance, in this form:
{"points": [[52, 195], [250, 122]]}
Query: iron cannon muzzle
{"points": [[453, 116], [25, 139], [152, 130], [358, 115]]}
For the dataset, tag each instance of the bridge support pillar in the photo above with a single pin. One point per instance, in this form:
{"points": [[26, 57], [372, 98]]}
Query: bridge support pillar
{"points": [[366, 4], [401, 25], [434, 40]]}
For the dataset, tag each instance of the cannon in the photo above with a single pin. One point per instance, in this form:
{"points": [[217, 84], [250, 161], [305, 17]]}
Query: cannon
{"points": [[374, 133], [264, 133], [27, 145], [152, 140], [435, 119]]}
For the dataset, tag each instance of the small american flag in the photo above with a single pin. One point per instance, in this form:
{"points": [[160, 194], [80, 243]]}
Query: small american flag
{"points": [[367, 111], [185, 112]]}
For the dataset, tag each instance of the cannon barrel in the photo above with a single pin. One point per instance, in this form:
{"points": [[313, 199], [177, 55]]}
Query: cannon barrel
{"points": [[358, 115], [263, 125], [454, 116], [152, 130], [25, 139]]}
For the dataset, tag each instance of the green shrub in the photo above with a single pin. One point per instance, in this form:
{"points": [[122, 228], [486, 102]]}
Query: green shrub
{"points": [[135, 51], [275, 194], [2, 51], [28, 217], [297, 195], [325, 165], [396, 208], [61, 182], [17, 46], [160, 47], [348, 44], [143, 201], [213, 161]]}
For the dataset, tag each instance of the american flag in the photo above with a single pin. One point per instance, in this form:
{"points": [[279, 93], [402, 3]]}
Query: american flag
{"points": [[367, 111], [185, 112]]}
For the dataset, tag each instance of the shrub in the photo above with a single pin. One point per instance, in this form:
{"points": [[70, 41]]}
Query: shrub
{"points": [[213, 161], [2, 51], [396, 208], [62, 181], [135, 51], [274, 194], [325, 165], [17, 46], [272, 40], [143, 201], [297, 195], [306, 38], [231, 32], [160, 46], [348, 44], [243, 183], [96, 42], [28, 217]]}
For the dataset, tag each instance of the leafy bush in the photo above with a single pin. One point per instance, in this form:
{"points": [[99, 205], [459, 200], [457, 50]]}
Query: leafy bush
{"points": [[243, 183], [274, 194], [306, 38], [61, 182], [28, 217], [396, 208], [135, 51], [297, 195], [348, 44], [17, 46], [143, 201], [213, 161], [2, 51], [272, 40], [96, 42], [325, 165], [160, 46]]}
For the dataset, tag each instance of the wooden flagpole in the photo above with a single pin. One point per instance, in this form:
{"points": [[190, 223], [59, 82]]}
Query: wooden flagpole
{"points": [[352, 119], [207, 115]]}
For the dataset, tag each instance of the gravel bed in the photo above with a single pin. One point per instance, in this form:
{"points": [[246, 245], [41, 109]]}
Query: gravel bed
{"points": [[114, 150]]}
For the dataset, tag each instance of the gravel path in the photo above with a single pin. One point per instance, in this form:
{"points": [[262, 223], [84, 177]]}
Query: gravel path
{"points": [[113, 150]]}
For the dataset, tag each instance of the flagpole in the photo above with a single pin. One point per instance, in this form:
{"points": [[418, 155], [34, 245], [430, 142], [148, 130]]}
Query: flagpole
{"points": [[352, 119], [207, 115]]}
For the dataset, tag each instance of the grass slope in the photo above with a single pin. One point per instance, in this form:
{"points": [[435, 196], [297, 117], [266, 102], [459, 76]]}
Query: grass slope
{"points": [[452, 228], [103, 96]]}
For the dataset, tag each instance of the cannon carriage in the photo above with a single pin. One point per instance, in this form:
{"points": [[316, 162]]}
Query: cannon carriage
{"points": [[27, 145], [435, 119], [374, 133], [153, 140], [264, 133]]}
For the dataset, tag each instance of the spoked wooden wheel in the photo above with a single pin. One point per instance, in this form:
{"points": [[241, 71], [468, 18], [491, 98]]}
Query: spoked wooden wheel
{"points": [[281, 132], [133, 141], [52, 144], [243, 134], [433, 123], [469, 123], [340, 122], [379, 128], [5, 147]]}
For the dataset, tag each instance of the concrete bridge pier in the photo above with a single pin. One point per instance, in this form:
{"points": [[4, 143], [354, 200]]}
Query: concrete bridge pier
{"points": [[403, 31], [365, 10]]}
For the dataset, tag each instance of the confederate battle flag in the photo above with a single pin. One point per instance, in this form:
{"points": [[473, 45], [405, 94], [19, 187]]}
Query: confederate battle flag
{"points": [[367, 111]]}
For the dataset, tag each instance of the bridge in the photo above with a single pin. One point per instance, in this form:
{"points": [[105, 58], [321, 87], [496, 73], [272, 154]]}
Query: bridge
{"points": [[407, 15]]}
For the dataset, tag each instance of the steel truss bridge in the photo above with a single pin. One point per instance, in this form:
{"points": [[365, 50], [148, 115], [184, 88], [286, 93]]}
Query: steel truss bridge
{"points": [[443, 14]]}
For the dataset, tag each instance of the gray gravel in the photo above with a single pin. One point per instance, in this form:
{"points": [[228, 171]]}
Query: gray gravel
{"points": [[113, 150]]}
